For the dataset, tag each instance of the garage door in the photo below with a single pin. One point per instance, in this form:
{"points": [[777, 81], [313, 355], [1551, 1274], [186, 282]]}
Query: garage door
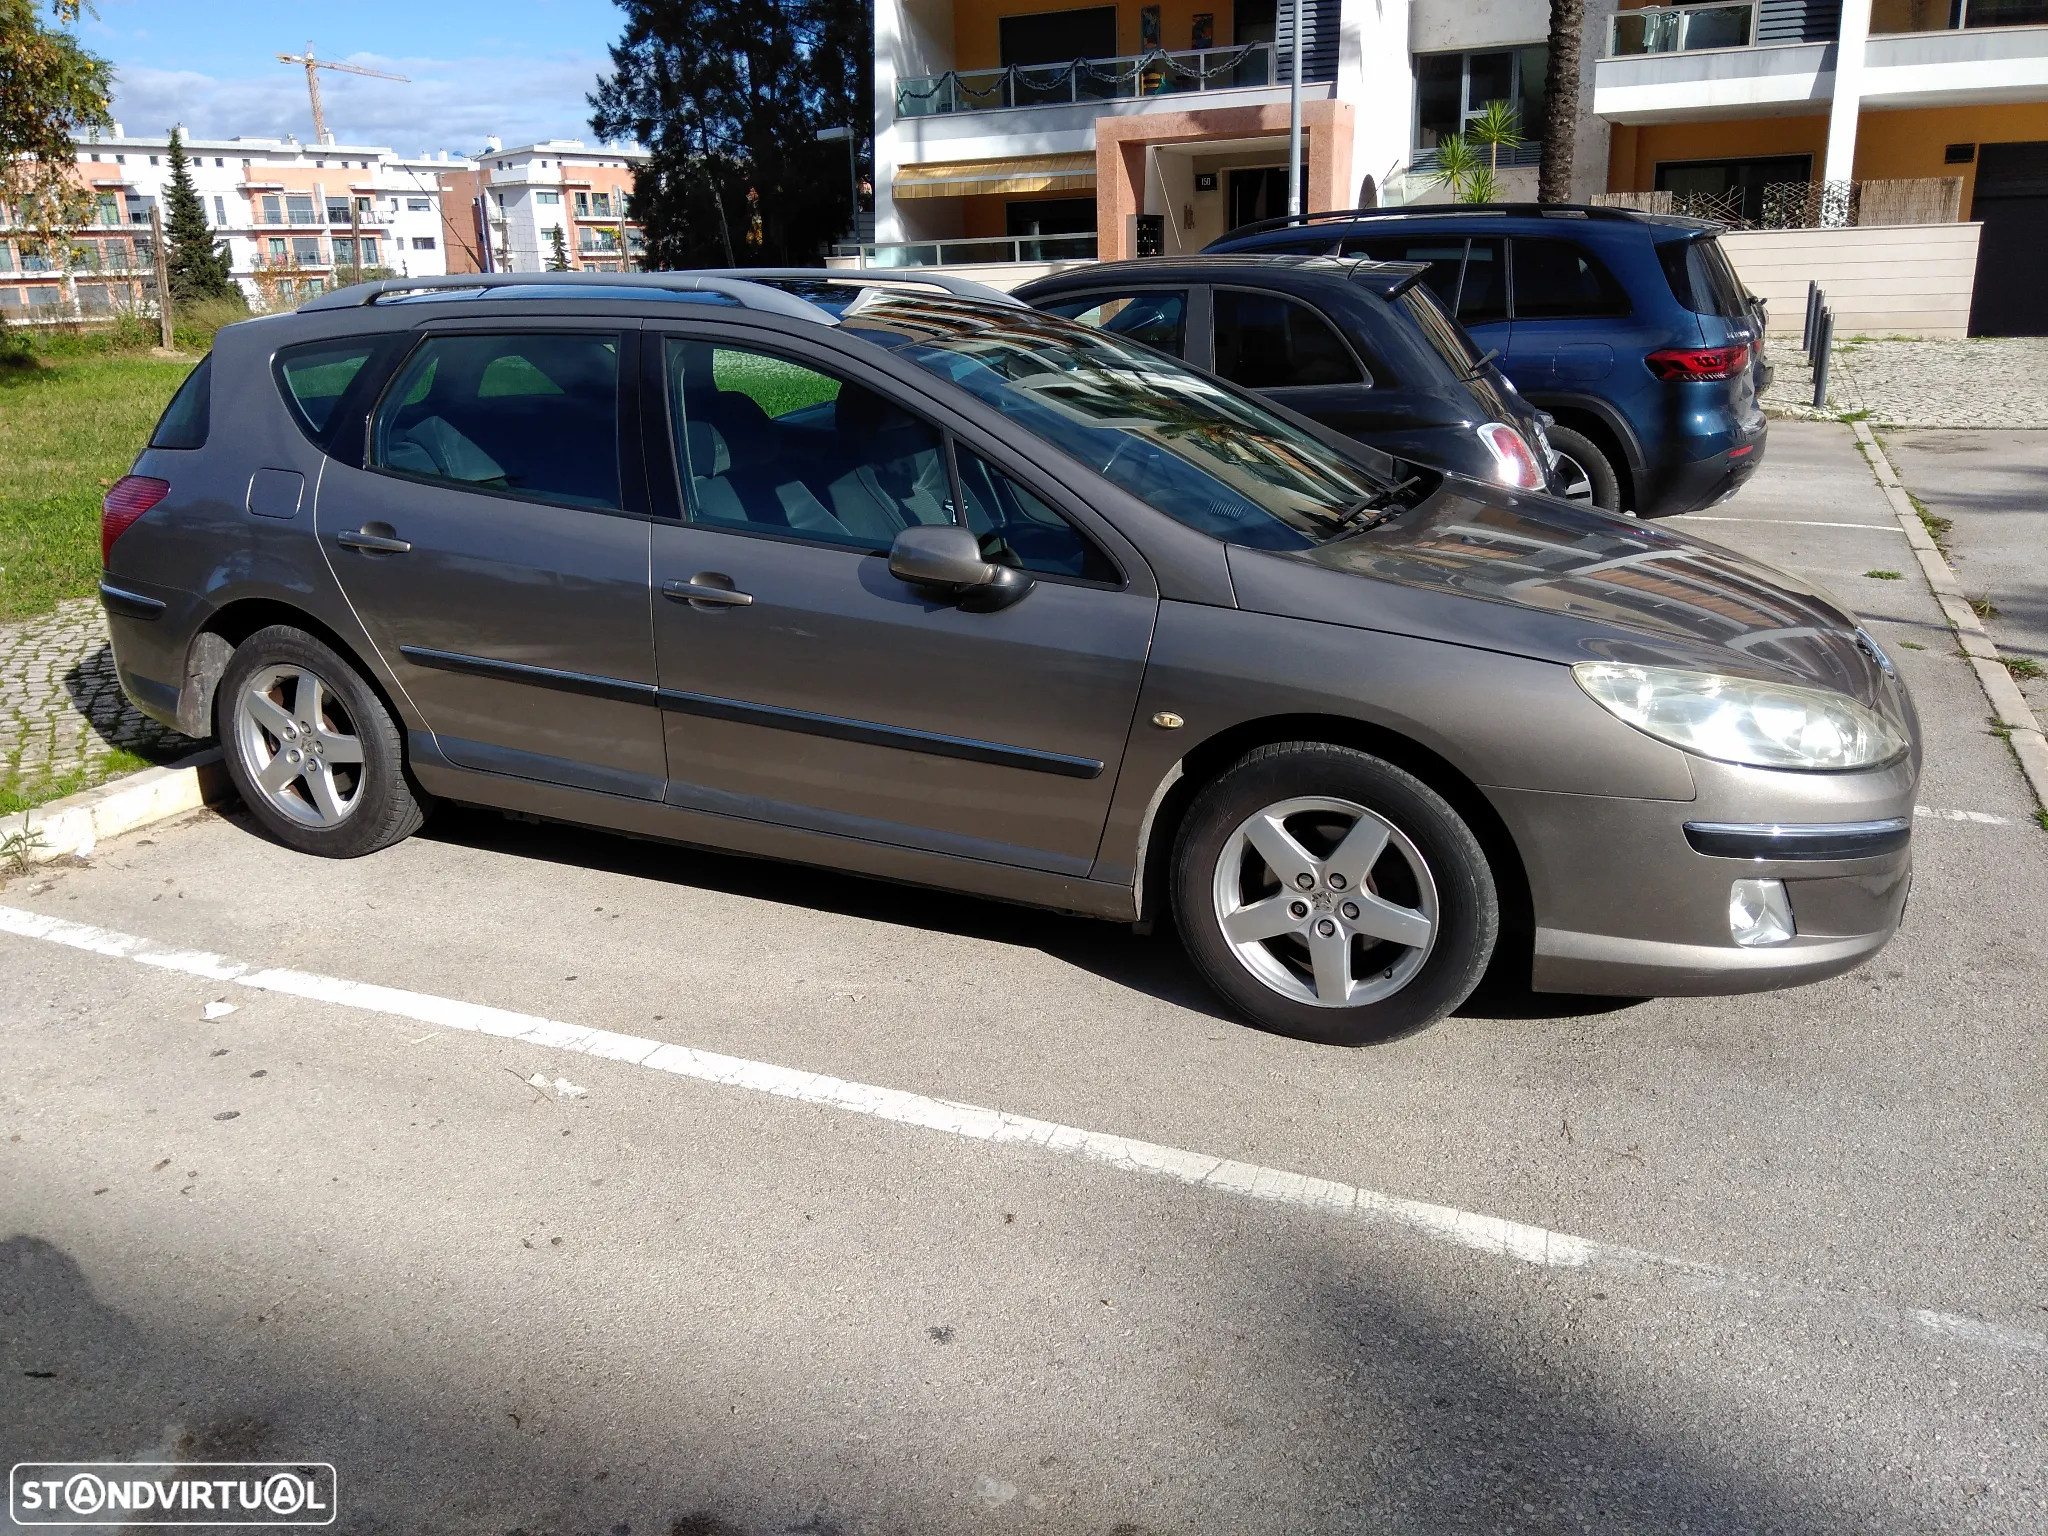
{"points": [[2012, 204]]}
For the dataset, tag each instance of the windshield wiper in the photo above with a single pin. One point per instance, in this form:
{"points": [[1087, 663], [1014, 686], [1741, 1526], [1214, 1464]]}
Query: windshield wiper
{"points": [[1368, 512]]}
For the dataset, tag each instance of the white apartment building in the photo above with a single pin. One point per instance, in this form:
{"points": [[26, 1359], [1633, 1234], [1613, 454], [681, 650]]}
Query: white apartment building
{"points": [[522, 197], [283, 209], [1033, 130]]}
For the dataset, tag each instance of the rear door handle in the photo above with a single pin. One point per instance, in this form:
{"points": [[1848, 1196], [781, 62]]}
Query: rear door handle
{"points": [[372, 543], [703, 590]]}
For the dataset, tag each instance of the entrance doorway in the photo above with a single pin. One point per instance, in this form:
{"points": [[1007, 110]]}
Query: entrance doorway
{"points": [[1260, 192], [2011, 202]]}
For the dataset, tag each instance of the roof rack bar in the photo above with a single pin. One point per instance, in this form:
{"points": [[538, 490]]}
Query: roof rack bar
{"points": [[748, 295], [1422, 210], [960, 287]]}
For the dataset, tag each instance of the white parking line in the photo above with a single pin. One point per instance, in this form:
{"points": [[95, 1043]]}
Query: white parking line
{"points": [[1983, 818], [1466, 1229], [1785, 522]]}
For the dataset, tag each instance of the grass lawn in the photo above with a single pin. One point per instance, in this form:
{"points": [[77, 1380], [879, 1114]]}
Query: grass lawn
{"points": [[68, 428]]}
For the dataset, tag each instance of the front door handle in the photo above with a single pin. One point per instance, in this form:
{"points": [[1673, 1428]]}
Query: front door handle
{"points": [[372, 543], [706, 589]]}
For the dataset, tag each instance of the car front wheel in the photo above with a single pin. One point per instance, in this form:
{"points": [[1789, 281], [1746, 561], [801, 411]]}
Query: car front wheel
{"points": [[311, 748], [1331, 896]]}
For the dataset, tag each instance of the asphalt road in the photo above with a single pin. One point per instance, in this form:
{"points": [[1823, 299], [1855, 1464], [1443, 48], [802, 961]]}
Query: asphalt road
{"points": [[1777, 1263]]}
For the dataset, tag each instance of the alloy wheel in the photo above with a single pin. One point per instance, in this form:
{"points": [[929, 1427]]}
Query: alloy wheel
{"points": [[1326, 902], [300, 746], [1578, 485]]}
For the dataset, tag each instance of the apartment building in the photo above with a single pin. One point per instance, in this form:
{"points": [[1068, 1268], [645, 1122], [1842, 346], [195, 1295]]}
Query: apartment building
{"points": [[1030, 130], [289, 214], [513, 202]]}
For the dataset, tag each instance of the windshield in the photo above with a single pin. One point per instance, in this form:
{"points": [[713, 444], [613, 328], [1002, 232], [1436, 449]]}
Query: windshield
{"points": [[1185, 444]]}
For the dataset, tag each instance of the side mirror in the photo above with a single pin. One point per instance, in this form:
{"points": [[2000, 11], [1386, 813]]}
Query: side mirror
{"points": [[946, 556]]}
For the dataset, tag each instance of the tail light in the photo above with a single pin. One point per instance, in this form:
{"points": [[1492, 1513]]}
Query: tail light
{"points": [[1699, 365], [1513, 461], [130, 497]]}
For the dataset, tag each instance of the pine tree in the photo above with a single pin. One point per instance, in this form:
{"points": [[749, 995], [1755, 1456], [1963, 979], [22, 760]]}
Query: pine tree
{"points": [[558, 251], [199, 265]]}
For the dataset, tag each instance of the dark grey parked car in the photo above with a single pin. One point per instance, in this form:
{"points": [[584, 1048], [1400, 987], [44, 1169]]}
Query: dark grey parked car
{"points": [[953, 592]]}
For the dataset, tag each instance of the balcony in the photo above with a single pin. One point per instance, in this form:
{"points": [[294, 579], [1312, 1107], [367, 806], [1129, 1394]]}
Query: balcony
{"points": [[1895, 16], [983, 252], [1681, 29], [1128, 78]]}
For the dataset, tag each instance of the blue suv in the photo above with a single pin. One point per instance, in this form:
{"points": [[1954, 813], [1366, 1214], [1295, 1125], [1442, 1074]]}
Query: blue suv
{"points": [[1632, 329]]}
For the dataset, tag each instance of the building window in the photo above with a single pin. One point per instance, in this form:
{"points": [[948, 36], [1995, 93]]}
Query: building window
{"points": [[547, 197], [306, 250], [298, 208], [109, 209], [120, 159], [220, 210], [277, 248], [1058, 37], [582, 205], [6, 257], [273, 210], [1736, 185], [601, 204], [337, 210], [218, 162], [152, 159], [370, 253], [1453, 88], [418, 205], [423, 242]]}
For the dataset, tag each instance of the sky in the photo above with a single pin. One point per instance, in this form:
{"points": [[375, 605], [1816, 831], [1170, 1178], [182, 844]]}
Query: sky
{"points": [[519, 69]]}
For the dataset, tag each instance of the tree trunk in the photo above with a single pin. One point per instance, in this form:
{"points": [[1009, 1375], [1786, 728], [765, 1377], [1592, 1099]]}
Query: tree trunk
{"points": [[1561, 101]]}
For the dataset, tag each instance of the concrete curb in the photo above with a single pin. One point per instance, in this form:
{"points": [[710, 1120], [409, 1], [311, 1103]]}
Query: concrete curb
{"points": [[2008, 705], [78, 823]]}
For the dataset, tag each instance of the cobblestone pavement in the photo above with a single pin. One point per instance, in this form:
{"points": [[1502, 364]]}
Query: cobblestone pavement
{"points": [[63, 717], [1981, 382]]}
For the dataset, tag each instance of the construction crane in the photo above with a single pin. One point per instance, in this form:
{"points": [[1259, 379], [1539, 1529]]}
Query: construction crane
{"points": [[313, 82]]}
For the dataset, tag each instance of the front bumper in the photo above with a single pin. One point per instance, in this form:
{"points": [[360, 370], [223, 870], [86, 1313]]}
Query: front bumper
{"points": [[1625, 905]]}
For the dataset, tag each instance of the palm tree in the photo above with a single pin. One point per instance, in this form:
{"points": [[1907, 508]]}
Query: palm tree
{"points": [[1498, 127], [1457, 162], [1561, 101]]}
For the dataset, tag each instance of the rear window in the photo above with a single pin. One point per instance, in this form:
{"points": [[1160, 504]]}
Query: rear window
{"points": [[1561, 280], [1264, 341], [1157, 317], [1445, 339], [186, 418], [1702, 279], [315, 377]]}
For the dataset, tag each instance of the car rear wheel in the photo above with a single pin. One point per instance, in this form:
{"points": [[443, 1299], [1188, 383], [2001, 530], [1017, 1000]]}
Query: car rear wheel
{"points": [[311, 748], [1587, 474], [1331, 896]]}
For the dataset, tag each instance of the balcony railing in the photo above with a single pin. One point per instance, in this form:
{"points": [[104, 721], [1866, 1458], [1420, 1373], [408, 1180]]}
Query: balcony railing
{"points": [[1681, 29], [1157, 73], [1894, 16], [956, 253]]}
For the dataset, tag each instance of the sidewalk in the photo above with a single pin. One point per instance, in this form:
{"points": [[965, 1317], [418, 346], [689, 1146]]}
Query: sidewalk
{"points": [[1981, 382], [64, 723]]}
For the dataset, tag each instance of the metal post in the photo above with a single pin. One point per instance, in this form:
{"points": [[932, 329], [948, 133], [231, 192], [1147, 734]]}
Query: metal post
{"points": [[853, 179], [163, 273], [355, 237], [1825, 344], [1294, 124], [1812, 309]]}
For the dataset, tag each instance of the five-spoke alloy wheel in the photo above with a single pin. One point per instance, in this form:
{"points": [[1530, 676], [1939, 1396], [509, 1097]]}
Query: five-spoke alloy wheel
{"points": [[1331, 895], [312, 749]]}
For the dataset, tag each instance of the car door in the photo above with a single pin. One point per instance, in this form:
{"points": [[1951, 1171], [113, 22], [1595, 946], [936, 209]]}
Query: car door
{"points": [[1569, 311], [804, 684], [1290, 352], [495, 549]]}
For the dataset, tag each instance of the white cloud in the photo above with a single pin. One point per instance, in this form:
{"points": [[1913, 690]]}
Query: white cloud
{"points": [[452, 104]]}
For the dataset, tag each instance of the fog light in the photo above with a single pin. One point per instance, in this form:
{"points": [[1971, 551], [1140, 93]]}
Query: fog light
{"points": [[1759, 913]]}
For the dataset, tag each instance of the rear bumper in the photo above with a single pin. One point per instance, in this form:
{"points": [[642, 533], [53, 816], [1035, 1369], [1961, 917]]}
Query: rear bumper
{"points": [[1697, 484]]}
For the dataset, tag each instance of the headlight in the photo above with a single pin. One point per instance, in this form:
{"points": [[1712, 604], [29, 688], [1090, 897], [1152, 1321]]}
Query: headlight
{"points": [[1739, 720]]}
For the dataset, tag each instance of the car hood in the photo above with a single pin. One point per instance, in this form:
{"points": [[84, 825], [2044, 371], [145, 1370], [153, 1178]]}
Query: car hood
{"points": [[1533, 576]]}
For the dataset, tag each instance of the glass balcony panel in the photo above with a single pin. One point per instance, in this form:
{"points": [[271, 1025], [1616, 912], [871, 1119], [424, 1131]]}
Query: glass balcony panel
{"points": [[1682, 29], [1112, 79]]}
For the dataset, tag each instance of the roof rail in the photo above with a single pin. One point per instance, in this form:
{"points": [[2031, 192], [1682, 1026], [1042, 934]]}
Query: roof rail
{"points": [[1438, 210], [959, 287], [748, 295]]}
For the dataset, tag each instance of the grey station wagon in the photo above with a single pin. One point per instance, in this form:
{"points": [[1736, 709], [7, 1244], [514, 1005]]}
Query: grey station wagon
{"points": [[933, 587]]}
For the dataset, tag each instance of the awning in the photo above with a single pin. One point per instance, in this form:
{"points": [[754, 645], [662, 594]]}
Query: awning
{"points": [[1018, 173]]}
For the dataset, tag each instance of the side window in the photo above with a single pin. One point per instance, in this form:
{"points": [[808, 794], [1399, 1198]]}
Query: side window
{"points": [[534, 416], [186, 418], [1445, 258], [1158, 318], [1483, 298], [772, 446], [1557, 280], [316, 375], [1016, 528], [1264, 341]]}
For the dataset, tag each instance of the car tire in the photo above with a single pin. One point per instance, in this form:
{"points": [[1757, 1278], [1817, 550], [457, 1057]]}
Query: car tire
{"points": [[1586, 471], [311, 748], [1267, 881]]}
